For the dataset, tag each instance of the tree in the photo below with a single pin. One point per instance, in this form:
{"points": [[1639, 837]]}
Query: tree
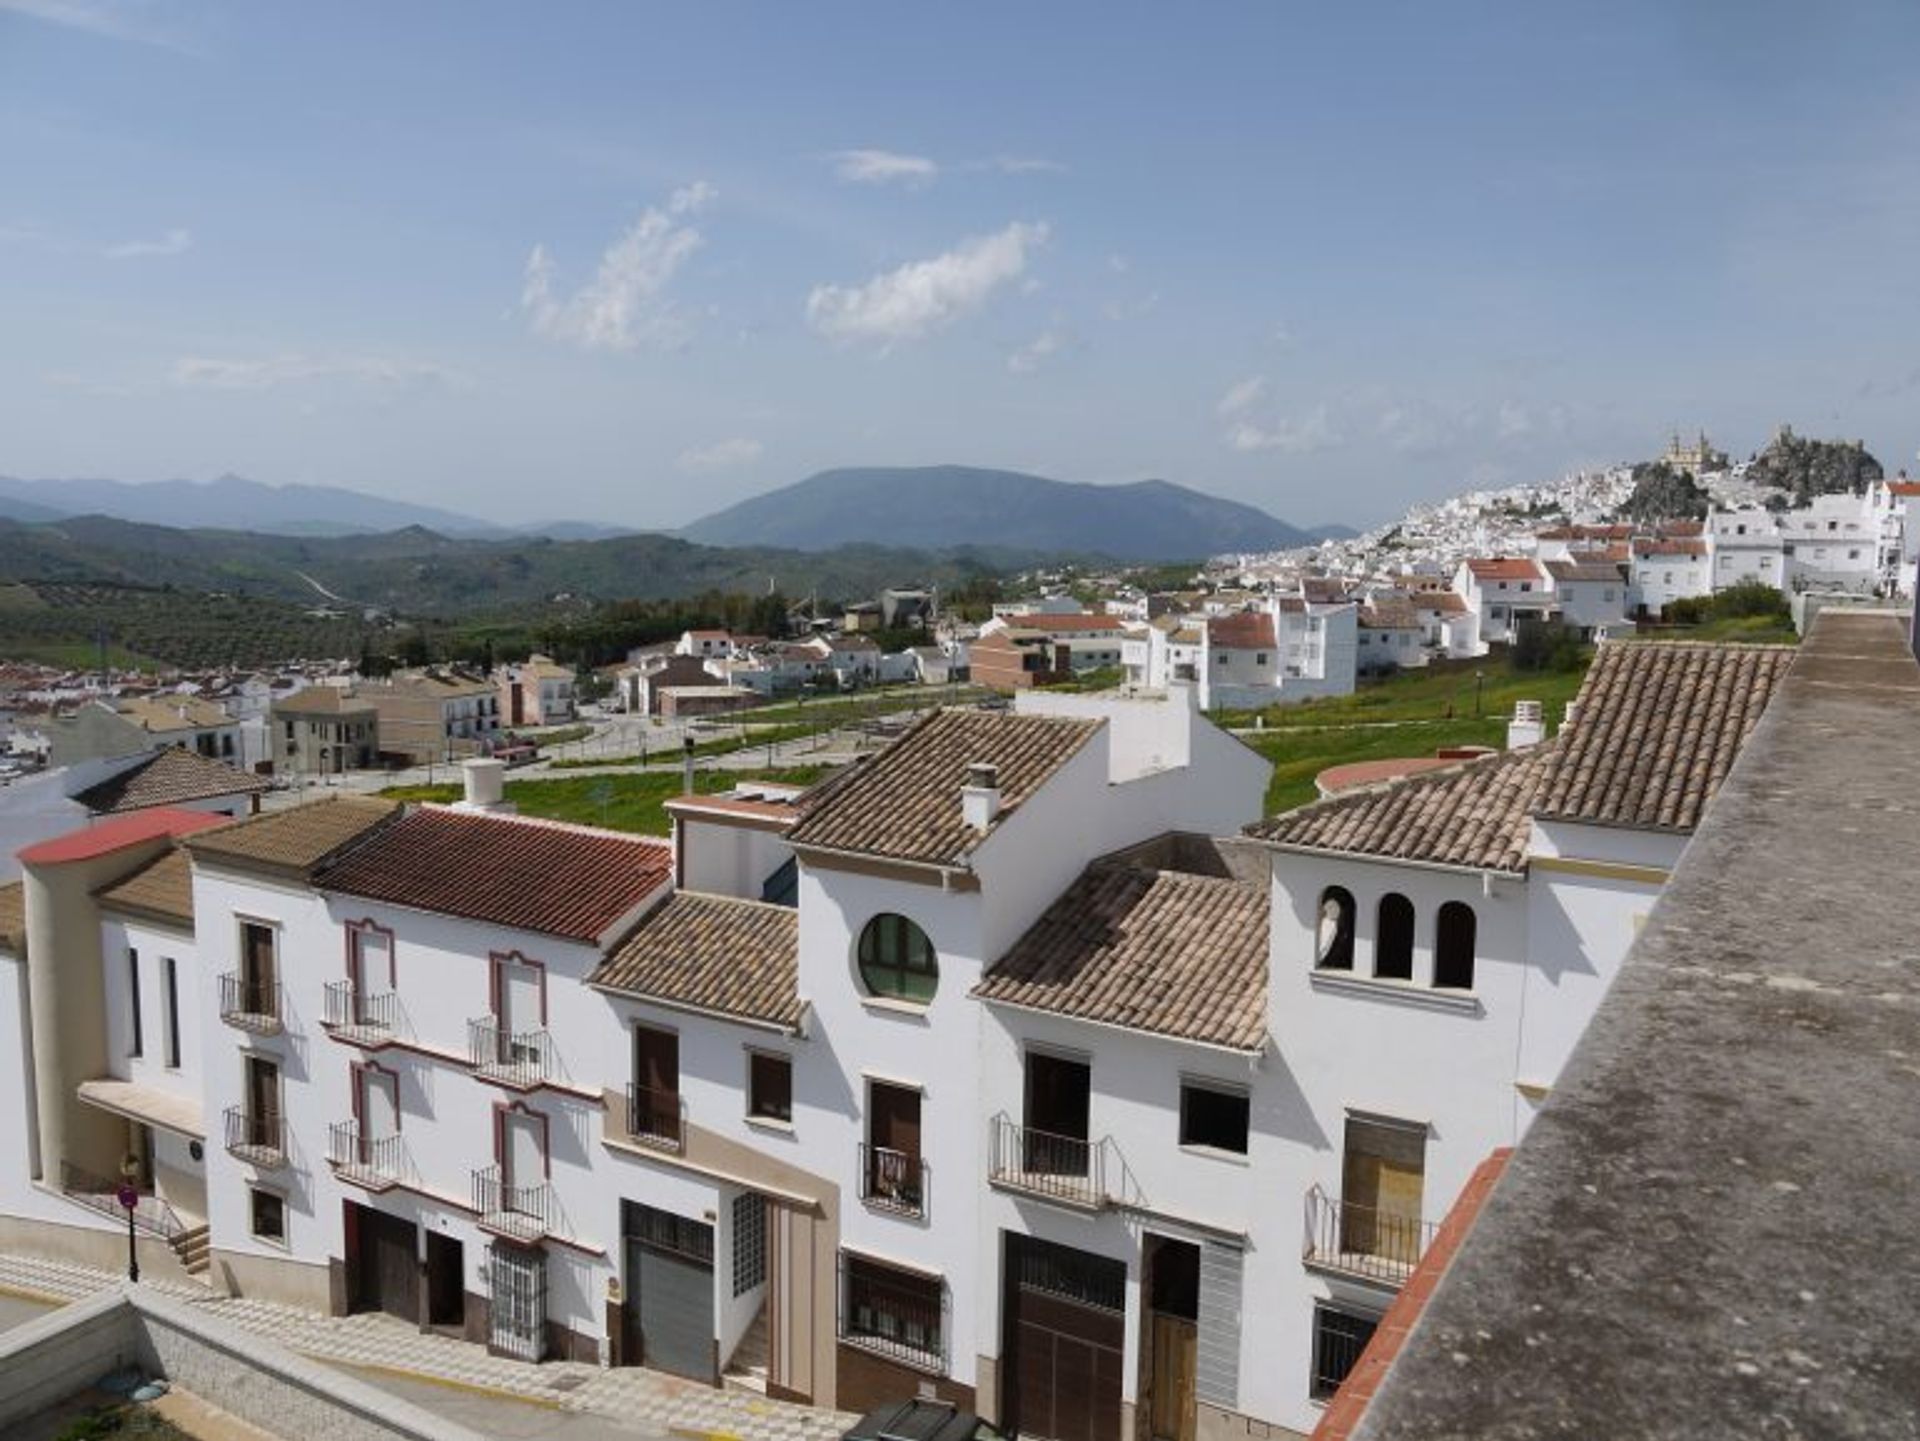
{"points": [[1662, 493]]}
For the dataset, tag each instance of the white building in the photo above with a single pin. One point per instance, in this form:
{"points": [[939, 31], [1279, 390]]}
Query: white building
{"points": [[1669, 568], [1279, 649], [1503, 592], [1592, 594], [986, 1070]]}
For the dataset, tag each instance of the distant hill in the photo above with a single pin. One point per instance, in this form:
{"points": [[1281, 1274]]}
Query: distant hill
{"points": [[234, 503], [930, 507]]}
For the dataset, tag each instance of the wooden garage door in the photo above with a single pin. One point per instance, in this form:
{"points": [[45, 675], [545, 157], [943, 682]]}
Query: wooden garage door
{"points": [[388, 1269], [669, 1263], [1065, 1335]]}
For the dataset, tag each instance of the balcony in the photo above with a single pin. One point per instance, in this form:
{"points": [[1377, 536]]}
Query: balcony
{"points": [[521, 1213], [375, 1163], [1067, 1169], [357, 1017], [521, 1059], [1363, 1241], [654, 1117], [250, 1005], [893, 1180], [151, 1215], [257, 1140]]}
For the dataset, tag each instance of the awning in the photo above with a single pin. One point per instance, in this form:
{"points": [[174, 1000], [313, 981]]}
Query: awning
{"points": [[150, 1104]]}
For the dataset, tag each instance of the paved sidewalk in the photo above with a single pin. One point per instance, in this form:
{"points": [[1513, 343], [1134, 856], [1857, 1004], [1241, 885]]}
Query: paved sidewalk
{"points": [[645, 1400]]}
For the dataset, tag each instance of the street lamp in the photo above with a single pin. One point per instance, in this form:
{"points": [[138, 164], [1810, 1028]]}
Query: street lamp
{"points": [[129, 1198]]}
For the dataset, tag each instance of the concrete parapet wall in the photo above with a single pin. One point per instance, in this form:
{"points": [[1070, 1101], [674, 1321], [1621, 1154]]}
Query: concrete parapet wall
{"points": [[48, 1360]]}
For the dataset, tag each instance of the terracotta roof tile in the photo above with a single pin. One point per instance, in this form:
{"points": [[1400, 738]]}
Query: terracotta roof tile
{"points": [[167, 778], [1473, 815], [1249, 630], [1583, 569], [905, 802], [1391, 615], [1657, 728], [1503, 568], [1177, 955], [576, 882], [162, 888], [298, 839], [1669, 546], [714, 953]]}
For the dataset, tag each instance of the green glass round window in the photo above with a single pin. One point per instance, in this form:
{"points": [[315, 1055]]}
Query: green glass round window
{"points": [[896, 960]]}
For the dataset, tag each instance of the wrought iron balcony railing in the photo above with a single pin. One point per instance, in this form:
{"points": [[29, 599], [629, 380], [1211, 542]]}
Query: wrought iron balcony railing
{"points": [[1042, 1163], [654, 1116], [375, 1162], [513, 1058], [893, 1180], [524, 1212], [1364, 1241], [258, 1139], [358, 1016], [250, 1004]]}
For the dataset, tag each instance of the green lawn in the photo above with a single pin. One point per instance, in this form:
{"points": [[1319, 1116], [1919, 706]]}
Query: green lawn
{"points": [[1454, 689], [622, 803], [863, 705], [1748, 629], [1299, 755], [670, 755]]}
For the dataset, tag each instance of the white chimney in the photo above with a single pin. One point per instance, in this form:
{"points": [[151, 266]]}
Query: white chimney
{"points": [[1573, 710], [980, 797], [486, 787], [1528, 726]]}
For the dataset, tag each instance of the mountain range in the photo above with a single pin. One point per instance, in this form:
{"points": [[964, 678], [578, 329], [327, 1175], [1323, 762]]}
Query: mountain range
{"points": [[942, 505]]}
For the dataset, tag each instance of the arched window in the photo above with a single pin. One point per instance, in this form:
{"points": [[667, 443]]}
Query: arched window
{"points": [[1453, 940], [896, 960], [1333, 941], [1393, 939]]}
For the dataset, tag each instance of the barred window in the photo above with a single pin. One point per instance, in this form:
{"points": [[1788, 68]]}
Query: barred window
{"points": [[1338, 1339], [893, 1311]]}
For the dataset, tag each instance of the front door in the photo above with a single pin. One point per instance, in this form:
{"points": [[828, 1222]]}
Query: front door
{"points": [[517, 1302], [387, 1267], [1173, 1307], [446, 1281]]}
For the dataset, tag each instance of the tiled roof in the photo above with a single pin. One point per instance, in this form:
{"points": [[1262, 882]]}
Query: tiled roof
{"points": [[559, 880], [164, 713], [1249, 630], [1583, 570], [1903, 487], [297, 839], [905, 802], [1054, 624], [715, 953], [1446, 602], [1177, 955], [1670, 546], [163, 887], [1503, 568], [13, 916], [1657, 728], [322, 700], [116, 833], [167, 778], [1391, 615], [1473, 815]]}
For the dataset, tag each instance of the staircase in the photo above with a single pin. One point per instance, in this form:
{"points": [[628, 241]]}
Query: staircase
{"points": [[747, 1367], [192, 1247]]}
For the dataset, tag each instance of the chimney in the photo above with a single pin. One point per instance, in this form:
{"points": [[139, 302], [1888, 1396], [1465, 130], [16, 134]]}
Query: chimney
{"points": [[1568, 717], [485, 787], [1528, 726], [980, 797]]}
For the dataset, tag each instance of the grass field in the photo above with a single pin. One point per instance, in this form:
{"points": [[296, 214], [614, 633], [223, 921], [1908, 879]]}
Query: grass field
{"points": [[1445, 690], [864, 705], [623, 803], [669, 755], [1299, 754]]}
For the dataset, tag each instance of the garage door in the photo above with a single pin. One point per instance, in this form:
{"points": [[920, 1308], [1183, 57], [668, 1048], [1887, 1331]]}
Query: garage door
{"points": [[387, 1266], [669, 1281], [1065, 1334]]}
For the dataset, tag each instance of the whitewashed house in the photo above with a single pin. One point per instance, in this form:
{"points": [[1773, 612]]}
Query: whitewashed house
{"points": [[1504, 592], [1669, 568]]}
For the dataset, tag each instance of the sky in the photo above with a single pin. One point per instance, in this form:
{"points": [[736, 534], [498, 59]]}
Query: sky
{"points": [[632, 262]]}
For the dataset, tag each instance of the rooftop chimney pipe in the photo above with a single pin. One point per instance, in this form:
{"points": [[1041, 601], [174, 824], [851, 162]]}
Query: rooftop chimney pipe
{"points": [[980, 797]]}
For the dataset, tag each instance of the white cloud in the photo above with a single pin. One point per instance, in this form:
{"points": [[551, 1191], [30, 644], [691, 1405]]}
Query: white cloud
{"points": [[1301, 435], [1513, 421], [292, 369], [925, 295], [721, 455], [113, 22], [882, 167], [1028, 357], [1025, 165], [1242, 395], [624, 302], [174, 242]]}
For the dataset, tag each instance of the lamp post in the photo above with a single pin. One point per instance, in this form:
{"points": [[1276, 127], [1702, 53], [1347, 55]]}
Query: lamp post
{"points": [[129, 1199]]}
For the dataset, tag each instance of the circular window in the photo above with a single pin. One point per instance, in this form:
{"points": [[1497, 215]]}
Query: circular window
{"points": [[896, 960]]}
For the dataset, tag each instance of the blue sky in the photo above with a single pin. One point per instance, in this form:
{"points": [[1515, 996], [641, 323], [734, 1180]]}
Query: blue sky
{"points": [[630, 262]]}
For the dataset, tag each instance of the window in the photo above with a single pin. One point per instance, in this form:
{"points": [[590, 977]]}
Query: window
{"points": [[653, 1110], [1338, 1339], [1393, 939], [1220, 659], [891, 1176], [136, 1042], [1333, 943], [896, 960], [1260, 657], [1453, 943], [267, 1216], [1213, 1117], [891, 1310], [769, 1086], [170, 972], [749, 1241]]}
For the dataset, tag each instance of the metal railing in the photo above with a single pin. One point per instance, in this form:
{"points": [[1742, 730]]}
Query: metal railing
{"points": [[250, 1004], [259, 1139], [371, 1161], [896, 1315], [1364, 1241], [654, 1116], [151, 1215], [893, 1180], [1064, 1168], [514, 1210], [516, 1058], [347, 1008]]}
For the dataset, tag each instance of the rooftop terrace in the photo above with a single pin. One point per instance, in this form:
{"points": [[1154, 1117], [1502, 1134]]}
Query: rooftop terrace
{"points": [[1708, 1230]]}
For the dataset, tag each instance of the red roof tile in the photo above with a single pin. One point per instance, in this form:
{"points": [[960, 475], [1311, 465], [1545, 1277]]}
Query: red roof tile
{"points": [[105, 837], [1249, 630], [1504, 568], [559, 880]]}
